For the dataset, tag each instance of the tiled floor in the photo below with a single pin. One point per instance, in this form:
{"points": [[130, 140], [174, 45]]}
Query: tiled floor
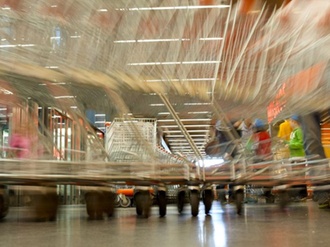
{"points": [[302, 224]]}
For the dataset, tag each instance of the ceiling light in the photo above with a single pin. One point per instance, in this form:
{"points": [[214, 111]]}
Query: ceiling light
{"points": [[211, 39], [165, 40], [200, 62], [156, 104], [157, 40], [5, 91], [187, 126], [51, 67], [166, 113], [176, 136], [186, 144], [173, 63], [65, 97], [102, 10], [189, 131], [181, 140], [185, 120], [199, 112], [125, 41], [221, 6], [197, 103], [176, 80]]}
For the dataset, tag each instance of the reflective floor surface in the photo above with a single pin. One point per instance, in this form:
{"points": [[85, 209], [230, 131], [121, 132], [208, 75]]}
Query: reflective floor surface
{"points": [[302, 224]]}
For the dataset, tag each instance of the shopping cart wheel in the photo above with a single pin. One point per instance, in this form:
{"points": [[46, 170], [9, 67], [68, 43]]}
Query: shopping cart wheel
{"points": [[270, 198], [94, 204], [4, 205], [143, 203], [194, 202], [239, 199], [162, 201], [207, 200], [109, 203], [284, 199], [44, 204], [181, 199], [53, 202], [125, 202]]}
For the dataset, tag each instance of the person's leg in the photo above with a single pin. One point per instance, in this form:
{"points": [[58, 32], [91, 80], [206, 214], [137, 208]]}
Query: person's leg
{"points": [[311, 128]]}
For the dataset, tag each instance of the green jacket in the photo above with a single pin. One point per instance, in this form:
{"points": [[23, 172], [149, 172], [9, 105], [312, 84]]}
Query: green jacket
{"points": [[296, 143]]}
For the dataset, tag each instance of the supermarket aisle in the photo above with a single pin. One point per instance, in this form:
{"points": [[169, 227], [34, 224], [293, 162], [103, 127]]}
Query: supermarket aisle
{"points": [[301, 225]]}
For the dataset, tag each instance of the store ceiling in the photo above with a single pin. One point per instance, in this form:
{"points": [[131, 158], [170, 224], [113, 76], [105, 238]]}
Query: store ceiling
{"points": [[155, 41]]}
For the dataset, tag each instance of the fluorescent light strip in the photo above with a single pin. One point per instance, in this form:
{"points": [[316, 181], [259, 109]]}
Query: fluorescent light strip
{"points": [[156, 104], [186, 120], [5, 91], [211, 39], [157, 40], [189, 131], [201, 62], [178, 136], [197, 104], [64, 97], [182, 140], [10, 46], [174, 63], [125, 41], [187, 126], [199, 112], [164, 40], [51, 67], [221, 6], [166, 113], [176, 80], [186, 144]]}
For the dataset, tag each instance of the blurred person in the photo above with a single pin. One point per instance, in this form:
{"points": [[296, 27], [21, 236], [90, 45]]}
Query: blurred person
{"points": [[246, 129], [260, 141], [260, 144], [297, 153], [285, 130], [20, 144], [296, 143], [311, 127], [283, 135], [223, 145]]}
